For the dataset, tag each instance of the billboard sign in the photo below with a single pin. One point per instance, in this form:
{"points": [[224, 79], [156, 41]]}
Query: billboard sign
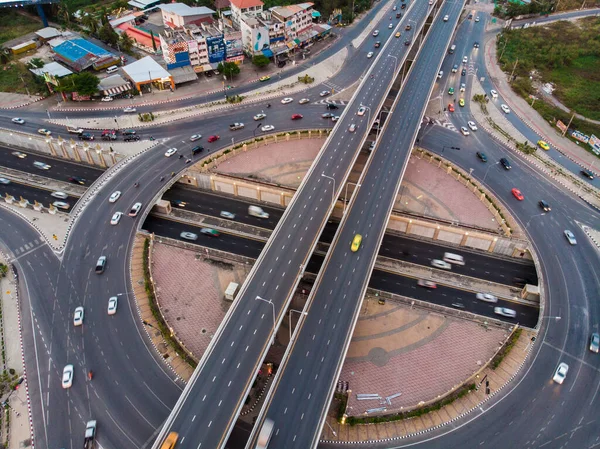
{"points": [[580, 136], [216, 49], [595, 144], [560, 125], [233, 44]]}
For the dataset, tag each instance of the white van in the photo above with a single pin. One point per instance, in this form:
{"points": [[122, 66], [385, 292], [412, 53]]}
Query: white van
{"points": [[112, 69], [451, 51], [454, 258]]}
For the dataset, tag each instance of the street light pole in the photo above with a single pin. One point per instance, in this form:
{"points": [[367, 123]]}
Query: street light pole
{"points": [[346, 194], [272, 305], [290, 319], [333, 190]]}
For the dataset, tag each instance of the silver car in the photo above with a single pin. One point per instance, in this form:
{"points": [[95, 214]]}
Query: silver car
{"points": [[595, 342], [441, 264], [227, 215], [503, 311], [188, 235], [570, 237], [561, 373], [486, 297]]}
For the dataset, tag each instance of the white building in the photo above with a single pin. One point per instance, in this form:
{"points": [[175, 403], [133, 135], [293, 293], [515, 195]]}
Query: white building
{"points": [[177, 15], [249, 8]]}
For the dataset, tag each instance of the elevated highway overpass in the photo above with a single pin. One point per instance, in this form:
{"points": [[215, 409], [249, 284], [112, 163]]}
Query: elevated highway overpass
{"points": [[302, 389], [206, 411]]}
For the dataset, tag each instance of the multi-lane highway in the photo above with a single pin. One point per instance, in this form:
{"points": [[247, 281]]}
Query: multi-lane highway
{"points": [[306, 378], [227, 369]]}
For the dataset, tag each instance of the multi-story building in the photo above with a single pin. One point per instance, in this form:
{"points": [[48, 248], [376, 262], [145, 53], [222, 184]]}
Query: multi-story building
{"points": [[248, 8], [177, 15], [295, 18]]}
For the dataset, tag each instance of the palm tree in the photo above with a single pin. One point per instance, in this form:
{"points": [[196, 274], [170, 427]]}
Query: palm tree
{"points": [[90, 22], [64, 13]]}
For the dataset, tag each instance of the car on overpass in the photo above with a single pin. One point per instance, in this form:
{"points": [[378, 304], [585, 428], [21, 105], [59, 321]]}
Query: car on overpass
{"points": [[19, 154], [114, 196], [437, 263], [486, 297], [356, 241], [44, 132], [503, 311], [116, 218], [370, 54], [188, 235]]}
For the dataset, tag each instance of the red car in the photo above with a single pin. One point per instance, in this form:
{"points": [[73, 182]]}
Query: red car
{"points": [[426, 284], [517, 194], [213, 138], [451, 107], [296, 116]]}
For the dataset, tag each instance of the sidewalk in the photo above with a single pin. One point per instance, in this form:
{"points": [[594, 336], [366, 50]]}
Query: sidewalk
{"points": [[529, 116], [19, 431]]}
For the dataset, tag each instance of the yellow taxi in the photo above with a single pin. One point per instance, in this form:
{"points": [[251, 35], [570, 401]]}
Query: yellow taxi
{"points": [[543, 145], [170, 441], [461, 102], [398, 34], [356, 241], [264, 78]]}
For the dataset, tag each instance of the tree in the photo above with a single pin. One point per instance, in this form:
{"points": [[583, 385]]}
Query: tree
{"points": [[36, 63], [125, 42], [229, 69], [108, 35], [90, 22], [64, 13], [260, 61], [84, 83]]}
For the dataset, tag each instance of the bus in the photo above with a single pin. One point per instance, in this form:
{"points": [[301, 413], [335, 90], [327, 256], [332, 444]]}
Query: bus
{"points": [[265, 434]]}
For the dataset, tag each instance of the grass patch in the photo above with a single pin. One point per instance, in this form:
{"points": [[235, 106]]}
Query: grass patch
{"points": [[564, 53], [512, 341], [16, 78], [13, 25]]}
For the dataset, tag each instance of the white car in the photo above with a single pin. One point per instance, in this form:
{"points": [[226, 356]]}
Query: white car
{"points": [[560, 373], [375, 33], [260, 116], [78, 316], [462, 87], [441, 264], [107, 98], [18, 121], [287, 100], [112, 305], [476, 18], [195, 137], [67, 377], [170, 152], [464, 131], [465, 59], [188, 235], [361, 110], [370, 54], [335, 118], [41, 165], [472, 125], [61, 205], [324, 93], [390, 26], [503, 311], [44, 131], [135, 209], [304, 101], [352, 127], [505, 108], [227, 215], [59, 195], [4, 181], [486, 297], [116, 218], [494, 94], [115, 196], [570, 237], [267, 128], [446, 18], [129, 109], [19, 154]]}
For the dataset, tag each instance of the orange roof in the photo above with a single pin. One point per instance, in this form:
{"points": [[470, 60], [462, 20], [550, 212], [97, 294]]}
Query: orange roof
{"points": [[243, 4], [140, 36]]}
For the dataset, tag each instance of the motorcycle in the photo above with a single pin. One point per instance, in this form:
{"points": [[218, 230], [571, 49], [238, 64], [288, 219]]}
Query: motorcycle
{"points": [[268, 105], [136, 185], [90, 375]]}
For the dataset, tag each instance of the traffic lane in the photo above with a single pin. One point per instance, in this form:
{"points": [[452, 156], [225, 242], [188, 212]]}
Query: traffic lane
{"points": [[60, 169], [32, 194]]}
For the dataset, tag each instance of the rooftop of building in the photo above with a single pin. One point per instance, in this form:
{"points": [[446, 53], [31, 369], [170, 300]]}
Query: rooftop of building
{"points": [[244, 4], [145, 69], [183, 10], [48, 33], [52, 68]]}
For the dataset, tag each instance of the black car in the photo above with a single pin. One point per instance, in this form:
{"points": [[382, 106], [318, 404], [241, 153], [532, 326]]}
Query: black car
{"points": [[545, 206], [464, 72], [131, 138], [587, 174], [476, 44], [482, 156], [505, 163], [128, 132], [77, 180], [407, 42], [377, 44], [197, 149], [332, 106], [208, 74], [398, 15], [403, 6], [86, 136], [470, 16]]}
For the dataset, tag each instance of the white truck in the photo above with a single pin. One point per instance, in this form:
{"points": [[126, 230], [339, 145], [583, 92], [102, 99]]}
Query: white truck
{"points": [[265, 434], [256, 211], [90, 434], [74, 130]]}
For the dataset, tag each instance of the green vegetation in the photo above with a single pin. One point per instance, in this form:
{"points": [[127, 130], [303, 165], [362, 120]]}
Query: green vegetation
{"points": [[459, 393], [229, 69], [260, 61], [166, 333], [13, 25], [512, 341], [564, 53], [146, 117], [15, 77], [3, 270], [507, 9], [306, 79], [84, 83]]}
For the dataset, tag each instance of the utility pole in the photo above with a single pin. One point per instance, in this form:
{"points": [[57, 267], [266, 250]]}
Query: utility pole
{"points": [[513, 71], [567, 128], [503, 48]]}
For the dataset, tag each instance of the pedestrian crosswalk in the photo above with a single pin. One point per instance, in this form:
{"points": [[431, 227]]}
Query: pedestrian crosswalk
{"points": [[336, 102], [332, 86], [28, 247], [445, 123]]}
